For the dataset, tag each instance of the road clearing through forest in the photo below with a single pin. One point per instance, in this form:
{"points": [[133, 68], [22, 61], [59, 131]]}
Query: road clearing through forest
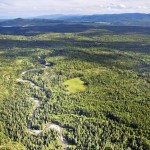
{"points": [[48, 126]]}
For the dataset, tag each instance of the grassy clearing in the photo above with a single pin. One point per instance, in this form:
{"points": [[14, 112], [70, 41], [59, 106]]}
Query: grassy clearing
{"points": [[75, 85]]}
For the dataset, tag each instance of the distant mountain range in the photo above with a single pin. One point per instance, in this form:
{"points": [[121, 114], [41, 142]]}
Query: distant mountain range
{"points": [[114, 19], [28, 22], [127, 19]]}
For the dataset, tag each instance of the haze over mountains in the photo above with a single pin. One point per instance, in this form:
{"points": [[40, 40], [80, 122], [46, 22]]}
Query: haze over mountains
{"points": [[127, 19]]}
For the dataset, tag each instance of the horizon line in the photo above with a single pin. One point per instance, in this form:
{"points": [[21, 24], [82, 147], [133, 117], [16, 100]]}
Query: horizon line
{"points": [[35, 16]]}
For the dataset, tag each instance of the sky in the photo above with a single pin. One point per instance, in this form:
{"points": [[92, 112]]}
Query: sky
{"points": [[30, 8]]}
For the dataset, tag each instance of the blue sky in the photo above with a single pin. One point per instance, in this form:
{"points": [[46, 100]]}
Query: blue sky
{"points": [[27, 8]]}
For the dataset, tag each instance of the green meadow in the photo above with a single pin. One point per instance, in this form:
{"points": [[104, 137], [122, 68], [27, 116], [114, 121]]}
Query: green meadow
{"points": [[75, 85]]}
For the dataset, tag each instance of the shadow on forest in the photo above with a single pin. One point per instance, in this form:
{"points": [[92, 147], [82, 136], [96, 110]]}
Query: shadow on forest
{"points": [[85, 56], [72, 28], [72, 49], [121, 46], [61, 42], [117, 30], [24, 48], [6, 43], [126, 29], [110, 59], [70, 52], [35, 30]]}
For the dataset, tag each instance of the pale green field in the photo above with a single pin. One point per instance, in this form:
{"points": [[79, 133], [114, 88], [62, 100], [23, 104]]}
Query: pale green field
{"points": [[75, 85]]}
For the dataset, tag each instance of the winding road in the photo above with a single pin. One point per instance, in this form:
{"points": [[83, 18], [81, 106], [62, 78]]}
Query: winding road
{"points": [[37, 102]]}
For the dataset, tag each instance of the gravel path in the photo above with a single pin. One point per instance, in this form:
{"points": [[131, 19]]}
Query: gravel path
{"points": [[48, 126]]}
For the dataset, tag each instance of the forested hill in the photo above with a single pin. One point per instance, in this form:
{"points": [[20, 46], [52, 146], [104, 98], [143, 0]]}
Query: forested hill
{"points": [[127, 19], [28, 22], [116, 19]]}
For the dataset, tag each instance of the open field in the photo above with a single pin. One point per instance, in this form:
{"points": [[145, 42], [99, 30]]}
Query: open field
{"points": [[75, 85]]}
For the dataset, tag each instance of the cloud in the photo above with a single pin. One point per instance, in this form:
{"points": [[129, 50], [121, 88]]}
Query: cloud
{"points": [[18, 8], [116, 6]]}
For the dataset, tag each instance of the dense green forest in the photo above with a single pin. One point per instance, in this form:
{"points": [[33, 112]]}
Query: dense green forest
{"points": [[93, 82]]}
